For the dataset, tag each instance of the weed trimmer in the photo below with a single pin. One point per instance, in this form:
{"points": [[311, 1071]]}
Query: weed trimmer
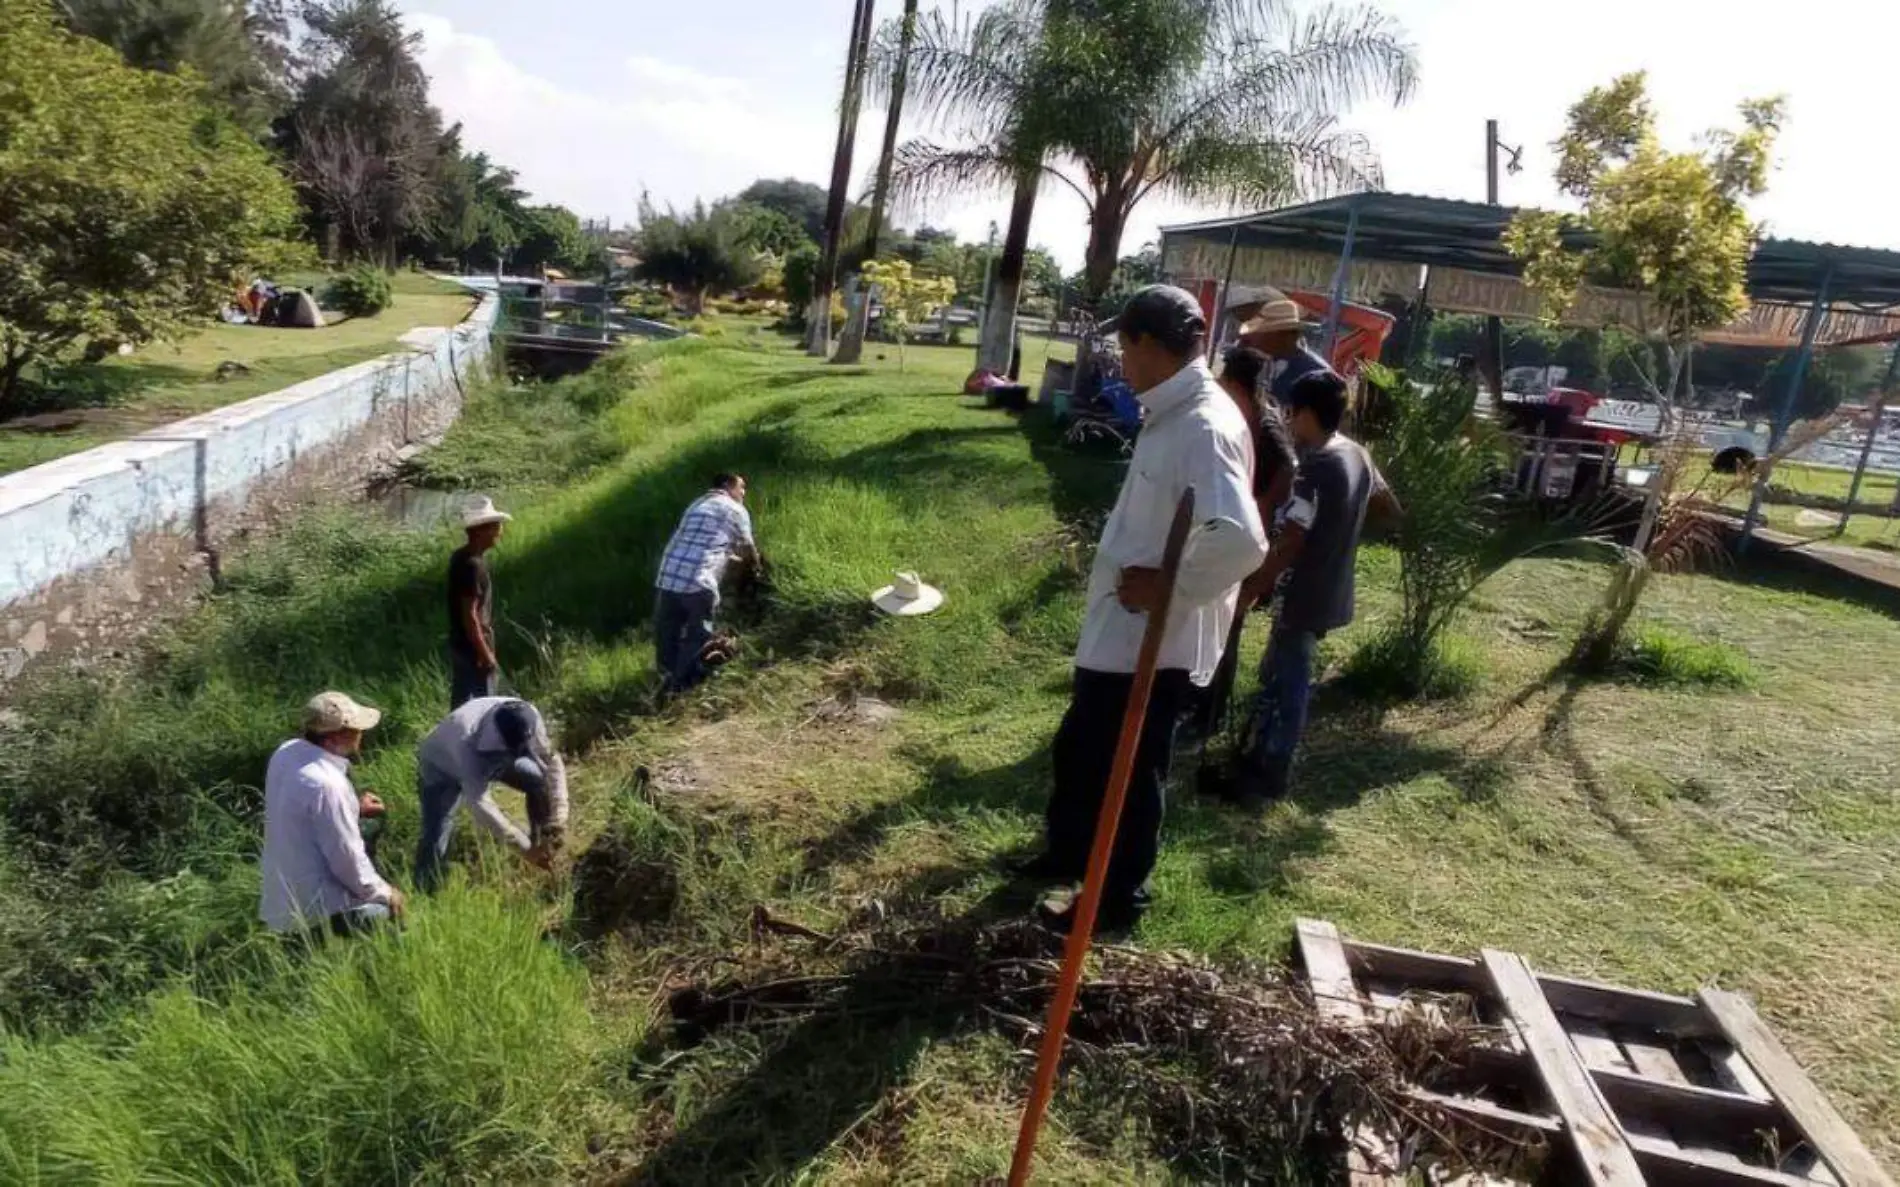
{"points": [[1075, 953]]}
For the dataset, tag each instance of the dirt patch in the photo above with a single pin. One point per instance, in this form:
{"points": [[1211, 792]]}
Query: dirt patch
{"points": [[756, 766], [616, 887]]}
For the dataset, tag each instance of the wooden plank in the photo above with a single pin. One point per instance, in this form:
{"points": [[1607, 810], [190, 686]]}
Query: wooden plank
{"points": [[1603, 1154], [1613, 1004], [1508, 1122], [1593, 1042], [1651, 1059], [1372, 1158], [1690, 1114], [1667, 1165], [1818, 1121]]}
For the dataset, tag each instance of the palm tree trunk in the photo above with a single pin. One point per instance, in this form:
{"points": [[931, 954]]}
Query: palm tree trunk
{"points": [[851, 345], [1006, 285], [819, 343], [1105, 246]]}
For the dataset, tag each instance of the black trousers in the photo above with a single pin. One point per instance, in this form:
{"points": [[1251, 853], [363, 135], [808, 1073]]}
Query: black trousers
{"points": [[1084, 754]]}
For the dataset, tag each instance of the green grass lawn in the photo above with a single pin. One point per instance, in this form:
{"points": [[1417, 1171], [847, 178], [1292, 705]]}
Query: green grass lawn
{"points": [[1640, 833], [167, 381]]}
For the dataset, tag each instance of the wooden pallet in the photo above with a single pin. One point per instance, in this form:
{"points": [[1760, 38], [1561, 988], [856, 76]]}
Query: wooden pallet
{"points": [[1629, 1087]]}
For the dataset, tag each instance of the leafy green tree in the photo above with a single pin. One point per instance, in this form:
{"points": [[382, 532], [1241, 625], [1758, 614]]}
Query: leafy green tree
{"points": [[1211, 101], [364, 142], [129, 206], [765, 228], [907, 296], [1671, 226], [695, 254], [800, 201], [554, 238], [237, 47]]}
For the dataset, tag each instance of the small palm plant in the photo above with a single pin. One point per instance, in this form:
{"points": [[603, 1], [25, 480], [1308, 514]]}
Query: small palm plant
{"points": [[1446, 466]]}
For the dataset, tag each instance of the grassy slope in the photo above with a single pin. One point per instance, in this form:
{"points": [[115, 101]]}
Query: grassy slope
{"points": [[167, 381], [1655, 837]]}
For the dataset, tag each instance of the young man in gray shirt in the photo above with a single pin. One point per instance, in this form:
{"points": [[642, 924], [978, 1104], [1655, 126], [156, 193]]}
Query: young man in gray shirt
{"points": [[1315, 553]]}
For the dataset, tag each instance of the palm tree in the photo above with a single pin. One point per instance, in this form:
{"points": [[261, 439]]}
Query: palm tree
{"points": [[851, 344], [1220, 102], [818, 342]]}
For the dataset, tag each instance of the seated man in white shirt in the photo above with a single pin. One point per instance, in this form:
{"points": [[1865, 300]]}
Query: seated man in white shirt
{"points": [[1193, 437], [317, 871], [489, 740]]}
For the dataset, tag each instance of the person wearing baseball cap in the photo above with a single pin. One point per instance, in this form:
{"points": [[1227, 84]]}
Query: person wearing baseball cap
{"points": [[1275, 330], [489, 740], [1193, 437], [317, 872]]}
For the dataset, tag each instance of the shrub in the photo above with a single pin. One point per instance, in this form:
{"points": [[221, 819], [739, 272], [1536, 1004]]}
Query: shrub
{"points": [[363, 291], [1391, 666], [1659, 656]]}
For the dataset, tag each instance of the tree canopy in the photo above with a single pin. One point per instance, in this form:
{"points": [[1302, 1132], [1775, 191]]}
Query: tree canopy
{"points": [[1213, 101], [239, 47], [128, 203], [696, 253]]}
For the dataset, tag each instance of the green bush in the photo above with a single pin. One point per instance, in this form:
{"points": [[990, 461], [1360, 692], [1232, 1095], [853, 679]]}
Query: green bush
{"points": [[363, 291], [1660, 656], [447, 1051], [1392, 666]]}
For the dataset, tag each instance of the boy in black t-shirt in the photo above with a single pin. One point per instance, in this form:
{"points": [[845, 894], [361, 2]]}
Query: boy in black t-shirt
{"points": [[473, 670]]}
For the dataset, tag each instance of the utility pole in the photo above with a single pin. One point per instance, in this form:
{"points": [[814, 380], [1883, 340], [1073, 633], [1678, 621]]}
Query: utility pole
{"points": [[1494, 325]]}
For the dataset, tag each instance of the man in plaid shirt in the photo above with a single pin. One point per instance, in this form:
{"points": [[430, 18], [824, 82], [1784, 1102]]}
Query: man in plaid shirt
{"points": [[714, 530]]}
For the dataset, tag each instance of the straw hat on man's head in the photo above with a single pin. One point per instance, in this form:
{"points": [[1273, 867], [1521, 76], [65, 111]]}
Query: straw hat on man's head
{"points": [[331, 712], [907, 596], [482, 512], [1273, 317]]}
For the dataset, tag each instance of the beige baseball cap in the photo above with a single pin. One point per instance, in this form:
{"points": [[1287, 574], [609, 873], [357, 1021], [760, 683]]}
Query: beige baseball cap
{"points": [[328, 712]]}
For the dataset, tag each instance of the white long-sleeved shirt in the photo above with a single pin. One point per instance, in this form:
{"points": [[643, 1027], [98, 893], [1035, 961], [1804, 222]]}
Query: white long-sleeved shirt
{"points": [[1192, 437], [469, 748], [314, 862]]}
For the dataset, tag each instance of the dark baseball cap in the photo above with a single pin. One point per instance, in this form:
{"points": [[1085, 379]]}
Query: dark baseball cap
{"points": [[1163, 312]]}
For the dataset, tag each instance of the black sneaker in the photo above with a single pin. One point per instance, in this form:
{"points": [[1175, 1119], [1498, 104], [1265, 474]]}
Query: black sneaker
{"points": [[1110, 918], [1255, 787], [1043, 867]]}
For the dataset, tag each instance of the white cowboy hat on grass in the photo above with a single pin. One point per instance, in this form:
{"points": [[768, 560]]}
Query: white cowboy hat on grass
{"points": [[907, 596], [483, 511]]}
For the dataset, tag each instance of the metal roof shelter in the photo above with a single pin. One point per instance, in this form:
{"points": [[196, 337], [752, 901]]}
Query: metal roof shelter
{"points": [[1450, 254]]}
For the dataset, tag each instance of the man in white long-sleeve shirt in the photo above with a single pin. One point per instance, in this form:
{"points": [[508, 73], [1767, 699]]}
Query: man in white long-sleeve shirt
{"points": [[489, 740], [1192, 438], [316, 868]]}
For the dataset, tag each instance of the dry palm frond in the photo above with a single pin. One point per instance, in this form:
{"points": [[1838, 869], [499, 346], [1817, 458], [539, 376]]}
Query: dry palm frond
{"points": [[1229, 1064]]}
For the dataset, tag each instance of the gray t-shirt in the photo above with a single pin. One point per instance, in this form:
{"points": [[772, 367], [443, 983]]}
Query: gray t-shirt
{"points": [[1329, 499]]}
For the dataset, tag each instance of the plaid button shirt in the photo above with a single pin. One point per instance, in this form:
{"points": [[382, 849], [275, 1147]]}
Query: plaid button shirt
{"points": [[703, 542]]}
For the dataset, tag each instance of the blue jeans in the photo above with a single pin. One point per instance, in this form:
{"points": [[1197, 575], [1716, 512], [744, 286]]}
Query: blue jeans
{"points": [[682, 622], [440, 792], [1286, 685]]}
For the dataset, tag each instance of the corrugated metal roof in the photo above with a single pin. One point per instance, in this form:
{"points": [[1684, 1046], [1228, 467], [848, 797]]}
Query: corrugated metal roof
{"points": [[1417, 229]]}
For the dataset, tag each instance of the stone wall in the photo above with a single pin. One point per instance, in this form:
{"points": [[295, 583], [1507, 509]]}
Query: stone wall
{"points": [[91, 544]]}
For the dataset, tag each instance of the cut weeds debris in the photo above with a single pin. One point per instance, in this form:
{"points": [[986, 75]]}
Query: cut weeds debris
{"points": [[1659, 835]]}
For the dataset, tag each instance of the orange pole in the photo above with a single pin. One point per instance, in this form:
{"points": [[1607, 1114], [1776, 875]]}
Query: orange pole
{"points": [[1082, 929]]}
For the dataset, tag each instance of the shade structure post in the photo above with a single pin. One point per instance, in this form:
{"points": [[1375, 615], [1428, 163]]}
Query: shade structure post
{"points": [[1220, 300], [1810, 328], [1873, 431], [1341, 279]]}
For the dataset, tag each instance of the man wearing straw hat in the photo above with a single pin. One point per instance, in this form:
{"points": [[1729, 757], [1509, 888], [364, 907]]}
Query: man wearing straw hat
{"points": [[1193, 437], [472, 667], [1276, 330], [317, 872]]}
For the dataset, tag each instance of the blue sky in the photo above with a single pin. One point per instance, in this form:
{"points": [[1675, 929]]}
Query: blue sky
{"points": [[595, 100]]}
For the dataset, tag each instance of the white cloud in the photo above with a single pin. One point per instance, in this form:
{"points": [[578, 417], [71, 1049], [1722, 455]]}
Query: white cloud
{"points": [[659, 126]]}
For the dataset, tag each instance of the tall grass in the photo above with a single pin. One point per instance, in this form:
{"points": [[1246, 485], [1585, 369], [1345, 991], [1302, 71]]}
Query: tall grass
{"points": [[459, 1048]]}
